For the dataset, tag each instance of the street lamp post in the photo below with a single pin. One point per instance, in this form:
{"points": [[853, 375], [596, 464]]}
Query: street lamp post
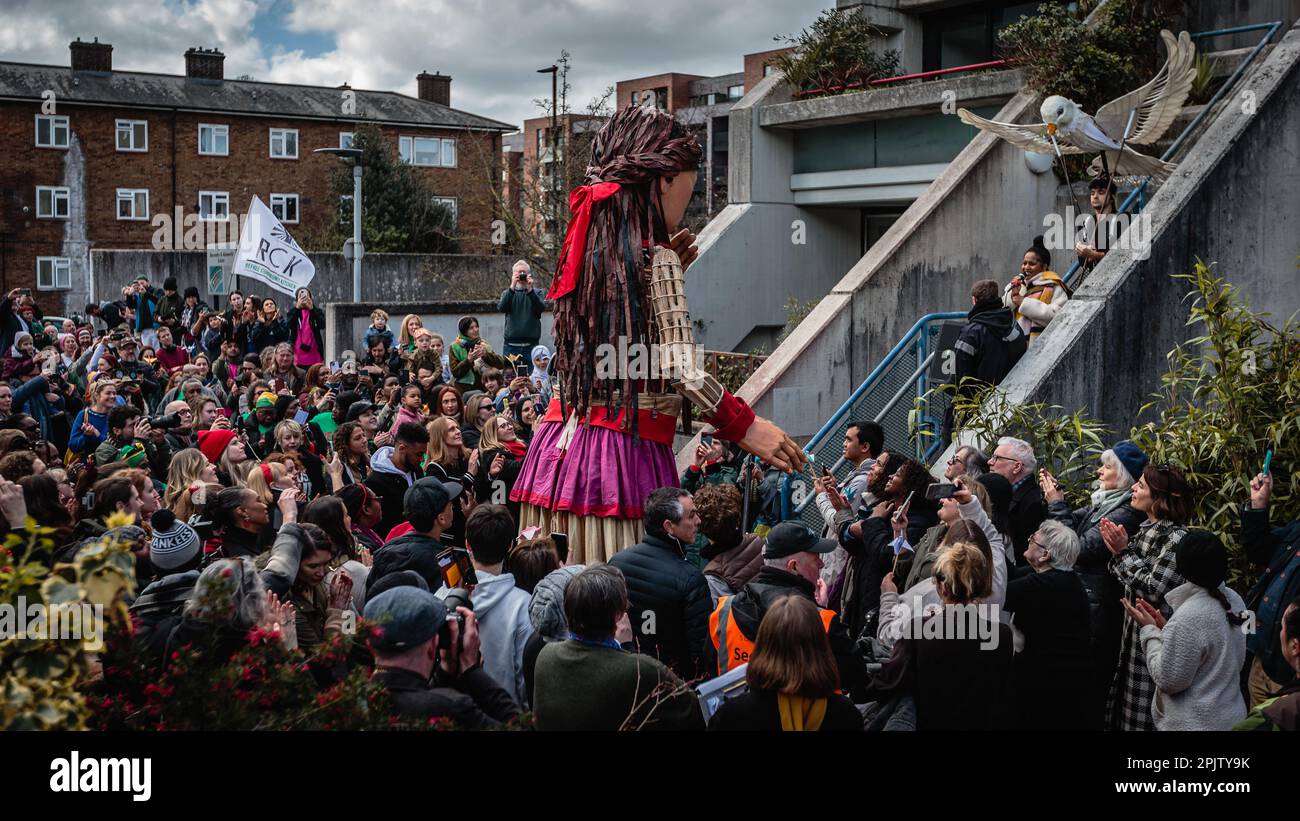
{"points": [[554, 71], [355, 248]]}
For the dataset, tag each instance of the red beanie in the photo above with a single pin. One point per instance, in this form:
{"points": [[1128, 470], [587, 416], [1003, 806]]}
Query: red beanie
{"points": [[213, 443]]}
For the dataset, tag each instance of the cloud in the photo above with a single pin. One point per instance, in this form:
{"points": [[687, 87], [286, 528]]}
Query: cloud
{"points": [[492, 48]]}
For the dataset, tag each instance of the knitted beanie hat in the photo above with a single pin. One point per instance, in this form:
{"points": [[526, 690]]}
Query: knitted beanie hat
{"points": [[174, 543], [213, 443]]}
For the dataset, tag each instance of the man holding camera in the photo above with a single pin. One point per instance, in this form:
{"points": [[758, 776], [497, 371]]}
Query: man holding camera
{"points": [[523, 306], [128, 428], [142, 373], [423, 643]]}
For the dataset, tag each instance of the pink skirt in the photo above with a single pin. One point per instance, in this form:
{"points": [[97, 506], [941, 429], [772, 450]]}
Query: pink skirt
{"points": [[601, 473]]}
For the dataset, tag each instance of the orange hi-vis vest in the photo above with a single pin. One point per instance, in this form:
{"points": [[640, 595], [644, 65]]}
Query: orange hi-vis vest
{"points": [[732, 646]]}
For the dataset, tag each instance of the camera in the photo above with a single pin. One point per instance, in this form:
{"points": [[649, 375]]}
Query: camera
{"points": [[165, 422], [456, 597]]}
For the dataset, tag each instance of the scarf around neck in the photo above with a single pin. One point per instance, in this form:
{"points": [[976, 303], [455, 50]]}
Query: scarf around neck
{"points": [[1104, 501], [799, 713]]}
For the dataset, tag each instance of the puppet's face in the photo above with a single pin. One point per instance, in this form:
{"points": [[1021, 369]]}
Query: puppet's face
{"points": [[675, 196]]}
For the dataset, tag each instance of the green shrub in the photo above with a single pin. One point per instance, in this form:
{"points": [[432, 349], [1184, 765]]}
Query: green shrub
{"points": [[1090, 66], [840, 48]]}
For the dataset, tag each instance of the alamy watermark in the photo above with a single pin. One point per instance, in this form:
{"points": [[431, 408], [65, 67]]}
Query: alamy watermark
{"points": [[39, 621], [1128, 232], [949, 621]]}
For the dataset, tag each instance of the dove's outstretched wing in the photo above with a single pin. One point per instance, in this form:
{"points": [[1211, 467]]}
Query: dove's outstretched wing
{"points": [[1029, 136], [1158, 102]]}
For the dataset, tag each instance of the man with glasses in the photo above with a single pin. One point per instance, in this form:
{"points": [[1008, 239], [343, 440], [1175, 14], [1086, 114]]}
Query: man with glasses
{"points": [[1014, 460]]}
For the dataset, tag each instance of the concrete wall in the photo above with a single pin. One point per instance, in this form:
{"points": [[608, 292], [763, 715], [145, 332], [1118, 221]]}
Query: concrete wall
{"points": [[385, 278], [1207, 15], [769, 253], [1235, 201]]}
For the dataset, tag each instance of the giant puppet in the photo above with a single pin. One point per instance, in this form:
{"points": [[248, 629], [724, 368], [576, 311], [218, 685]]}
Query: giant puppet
{"points": [[606, 439]]}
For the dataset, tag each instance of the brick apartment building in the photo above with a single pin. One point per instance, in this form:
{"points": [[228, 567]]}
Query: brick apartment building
{"points": [[701, 104], [93, 156], [541, 163]]}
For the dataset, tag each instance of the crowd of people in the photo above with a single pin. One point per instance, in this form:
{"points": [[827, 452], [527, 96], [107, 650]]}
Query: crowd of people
{"points": [[379, 488]]}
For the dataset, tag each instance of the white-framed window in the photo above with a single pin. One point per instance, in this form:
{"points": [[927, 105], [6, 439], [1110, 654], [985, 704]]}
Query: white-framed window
{"points": [[284, 143], [345, 139], [768, 70], [450, 204], [53, 273], [132, 135], [430, 151], [214, 140], [735, 92], [345, 209], [285, 207], [214, 205], [133, 203], [52, 202], [51, 131]]}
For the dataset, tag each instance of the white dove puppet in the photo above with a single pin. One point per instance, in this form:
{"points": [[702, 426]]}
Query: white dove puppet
{"points": [[1139, 117]]}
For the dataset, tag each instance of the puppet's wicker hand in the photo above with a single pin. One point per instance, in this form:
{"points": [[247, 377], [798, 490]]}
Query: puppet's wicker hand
{"points": [[683, 245], [771, 444]]}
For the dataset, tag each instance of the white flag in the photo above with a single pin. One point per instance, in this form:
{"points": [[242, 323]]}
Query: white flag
{"points": [[269, 254]]}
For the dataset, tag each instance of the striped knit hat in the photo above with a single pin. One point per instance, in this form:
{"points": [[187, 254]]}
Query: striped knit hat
{"points": [[174, 543]]}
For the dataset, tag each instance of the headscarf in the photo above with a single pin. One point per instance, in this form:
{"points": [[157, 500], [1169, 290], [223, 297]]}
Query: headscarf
{"points": [[540, 374]]}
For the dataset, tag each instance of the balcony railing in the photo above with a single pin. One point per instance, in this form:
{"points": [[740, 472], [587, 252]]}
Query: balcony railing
{"points": [[921, 75]]}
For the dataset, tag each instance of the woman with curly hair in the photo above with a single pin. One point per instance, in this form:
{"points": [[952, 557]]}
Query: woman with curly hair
{"points": [[606, 442], [351, 462]]}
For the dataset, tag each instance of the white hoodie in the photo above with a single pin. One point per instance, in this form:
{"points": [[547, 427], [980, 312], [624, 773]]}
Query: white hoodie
{"points": [[501, 610]]}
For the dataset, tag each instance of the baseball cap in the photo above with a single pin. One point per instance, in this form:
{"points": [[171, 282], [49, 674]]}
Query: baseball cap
{"points": [[789, 538], [356, 409], [408, 617], [427, 498]]}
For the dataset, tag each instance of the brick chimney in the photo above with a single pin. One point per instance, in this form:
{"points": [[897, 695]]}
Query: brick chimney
{"points": [[94, 56], [204, 64], [435, 88]]}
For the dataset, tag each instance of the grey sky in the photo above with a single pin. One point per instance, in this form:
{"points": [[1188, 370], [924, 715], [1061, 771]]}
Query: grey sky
{"points": [[491, 48]]}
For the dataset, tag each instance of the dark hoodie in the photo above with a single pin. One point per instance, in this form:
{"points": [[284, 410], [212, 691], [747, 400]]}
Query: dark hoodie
{"points": [[990, 345], [410, 551], [771, 584]]}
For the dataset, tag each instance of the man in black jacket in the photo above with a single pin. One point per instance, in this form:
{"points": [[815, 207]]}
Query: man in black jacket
{"points": [[416, 631], [1014, 460], [668, 597], [428, 507], [989, 346], [396, 468], [792, 566]]}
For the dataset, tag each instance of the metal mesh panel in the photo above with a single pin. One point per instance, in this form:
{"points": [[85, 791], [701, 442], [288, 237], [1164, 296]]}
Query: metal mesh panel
{"points": [[899, 375]]}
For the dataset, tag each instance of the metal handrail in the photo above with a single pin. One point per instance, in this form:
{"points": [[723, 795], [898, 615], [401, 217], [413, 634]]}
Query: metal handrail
{"points": [[917, 331], [921, 327]]}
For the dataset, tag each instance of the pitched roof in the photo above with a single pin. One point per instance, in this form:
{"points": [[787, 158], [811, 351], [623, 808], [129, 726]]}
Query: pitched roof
{"points": [[146, 90]]}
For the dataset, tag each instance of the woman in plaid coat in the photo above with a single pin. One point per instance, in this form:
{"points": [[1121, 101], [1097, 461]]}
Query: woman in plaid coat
{"points": [[1146, 567]]}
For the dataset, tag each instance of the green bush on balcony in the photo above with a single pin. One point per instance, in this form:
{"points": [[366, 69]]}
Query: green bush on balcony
{"points": [[1090, 66], [838, 50]]}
